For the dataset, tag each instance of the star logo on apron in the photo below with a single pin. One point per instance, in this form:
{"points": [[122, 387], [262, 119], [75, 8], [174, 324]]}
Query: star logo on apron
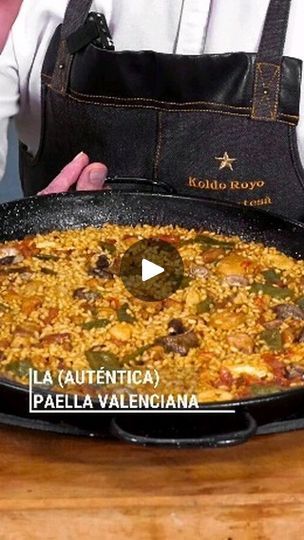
{"points": [[225, 162]]}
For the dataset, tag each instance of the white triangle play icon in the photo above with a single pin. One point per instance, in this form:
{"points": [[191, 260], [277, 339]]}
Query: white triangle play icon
{"points": [[150, 270]]}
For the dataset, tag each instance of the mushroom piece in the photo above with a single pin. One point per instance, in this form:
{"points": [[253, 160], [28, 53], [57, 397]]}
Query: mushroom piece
{"points": [[86, 294], [176, 327], [197, 270], [236, 280], [289, 311], [181, 343], [102, 268], [293, 371], [10, 256], [102, 262]]}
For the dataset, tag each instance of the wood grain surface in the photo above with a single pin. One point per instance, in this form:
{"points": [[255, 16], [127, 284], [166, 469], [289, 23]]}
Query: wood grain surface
{"points": [[54, 487]]}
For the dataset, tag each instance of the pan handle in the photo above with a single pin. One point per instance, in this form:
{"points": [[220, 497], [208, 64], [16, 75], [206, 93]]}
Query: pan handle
{"points": [[139, 185], [232, 438]]}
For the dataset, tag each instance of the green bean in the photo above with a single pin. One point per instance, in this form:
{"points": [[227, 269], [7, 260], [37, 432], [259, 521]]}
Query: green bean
{"points": [[186, 280], [108, 246], [265, 390], [45, 257], [273, 339], [20, 368], [300, 302], [272, 275], [96, 323], [207, 241], [48, 272], [124, 315], [271, 290], [102, 359], [204, 307]]}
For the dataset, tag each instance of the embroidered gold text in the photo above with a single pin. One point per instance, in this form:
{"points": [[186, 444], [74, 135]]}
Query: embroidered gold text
{"points": [[232, 185], [267, 201]]}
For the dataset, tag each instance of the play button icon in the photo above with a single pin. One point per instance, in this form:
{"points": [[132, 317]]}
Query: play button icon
{"points": [[152, 270]]}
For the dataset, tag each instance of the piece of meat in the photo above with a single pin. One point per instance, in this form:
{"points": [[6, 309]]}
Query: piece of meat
{"points": [[233, 264], [212, 255], [27, 329], [30, 304], [289, 311], [55, 338], [181, 343], [270, 325], [241, 342], [10, 256]]}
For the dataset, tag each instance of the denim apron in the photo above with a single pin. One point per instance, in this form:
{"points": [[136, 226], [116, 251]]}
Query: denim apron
{"points": [[220, 125]]}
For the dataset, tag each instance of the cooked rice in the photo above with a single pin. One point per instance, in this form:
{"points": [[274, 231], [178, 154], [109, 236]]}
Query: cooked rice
{"points": [[40, 302]]}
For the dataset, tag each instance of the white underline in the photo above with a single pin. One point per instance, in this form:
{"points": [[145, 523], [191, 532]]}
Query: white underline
{"points": [[132, 411]]}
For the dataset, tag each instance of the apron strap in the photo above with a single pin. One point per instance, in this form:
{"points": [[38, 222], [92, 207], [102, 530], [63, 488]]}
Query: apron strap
{"points": [[75, 16], [267, 83]]}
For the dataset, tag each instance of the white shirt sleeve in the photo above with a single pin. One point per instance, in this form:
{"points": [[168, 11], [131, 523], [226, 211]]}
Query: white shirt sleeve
{"points": [[9, 96]]}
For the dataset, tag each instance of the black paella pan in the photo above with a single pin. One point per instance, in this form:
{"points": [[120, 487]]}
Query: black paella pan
{"points": [[74, 210]]}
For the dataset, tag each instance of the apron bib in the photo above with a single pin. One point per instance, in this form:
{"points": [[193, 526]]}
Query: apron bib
{"points": [[219, 126]]}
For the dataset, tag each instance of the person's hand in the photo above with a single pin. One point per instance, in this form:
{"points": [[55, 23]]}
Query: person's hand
{"points": [[87, 176]]}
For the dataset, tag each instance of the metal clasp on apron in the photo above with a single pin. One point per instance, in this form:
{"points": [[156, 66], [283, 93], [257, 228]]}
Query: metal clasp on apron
{"points": [[94, 30]]}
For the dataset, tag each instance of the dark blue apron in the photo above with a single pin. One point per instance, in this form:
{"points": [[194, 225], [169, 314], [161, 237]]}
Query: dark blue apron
{"points": [[220, 126]]}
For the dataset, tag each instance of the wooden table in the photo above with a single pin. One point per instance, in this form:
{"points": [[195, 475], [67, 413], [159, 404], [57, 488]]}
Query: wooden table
{"points": [[54, 487]]}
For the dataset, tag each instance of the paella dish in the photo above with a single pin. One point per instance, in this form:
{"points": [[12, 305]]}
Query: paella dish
{"points": [[234, 329]]}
